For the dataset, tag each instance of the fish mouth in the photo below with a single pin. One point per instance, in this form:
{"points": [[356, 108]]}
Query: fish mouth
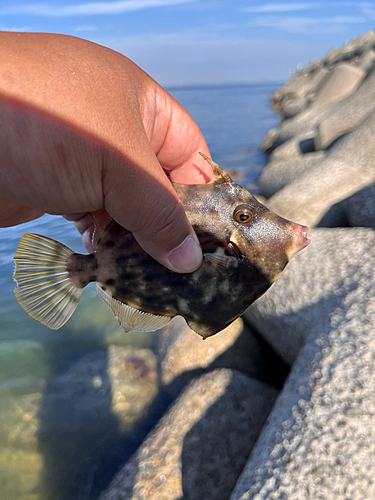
{"points": [[299, 241]]}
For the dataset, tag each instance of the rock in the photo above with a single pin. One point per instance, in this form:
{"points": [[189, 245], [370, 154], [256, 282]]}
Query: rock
{"points": [[23, 367], [349, 167], [343, 80], [69, 439], [360, 208], [315, 282], [319, 441], [89, 416], [346, 115], [293, 149], [277, 175], [200, 446], [184, 355], [292, 106], [269, 140], [368, 60], [301, 89], [19, 476], [352, 109], [20, 462]]}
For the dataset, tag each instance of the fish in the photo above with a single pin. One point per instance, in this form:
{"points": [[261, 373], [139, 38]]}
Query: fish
{"points": [[245, 248]]}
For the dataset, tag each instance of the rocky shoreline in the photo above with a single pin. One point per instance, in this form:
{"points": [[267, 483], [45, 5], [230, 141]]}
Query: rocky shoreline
{"points": [[280, 405], [317, 439]]}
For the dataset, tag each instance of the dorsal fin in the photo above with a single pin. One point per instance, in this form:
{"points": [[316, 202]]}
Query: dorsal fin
{"points": [[220, 174], [101, 220]]}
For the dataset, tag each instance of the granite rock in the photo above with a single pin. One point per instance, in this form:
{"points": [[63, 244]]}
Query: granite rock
{"points": [[200, 446], [319, 440]]}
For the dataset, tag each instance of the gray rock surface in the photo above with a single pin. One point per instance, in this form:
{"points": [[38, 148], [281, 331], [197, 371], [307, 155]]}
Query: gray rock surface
{"points": [[339, 120], [315, 282], [346, 115], [348, 167], [277, 175], [342, 81], [200, 446], [360, 208], [353, 109], [319, 441]]}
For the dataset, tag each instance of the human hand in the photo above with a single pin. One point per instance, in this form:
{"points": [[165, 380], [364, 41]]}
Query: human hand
{"points": [[82, 128]]}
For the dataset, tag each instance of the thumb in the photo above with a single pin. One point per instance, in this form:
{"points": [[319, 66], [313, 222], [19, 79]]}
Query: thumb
{"points": [[142, 200]]}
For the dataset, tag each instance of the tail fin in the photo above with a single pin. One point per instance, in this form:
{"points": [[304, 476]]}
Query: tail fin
{"points": [[43, 286]]}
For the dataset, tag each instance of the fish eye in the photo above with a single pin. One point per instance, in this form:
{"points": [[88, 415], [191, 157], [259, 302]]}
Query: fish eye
{"points": [[243, 214]]}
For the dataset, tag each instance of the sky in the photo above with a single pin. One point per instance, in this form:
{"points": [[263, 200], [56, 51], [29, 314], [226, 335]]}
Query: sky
{"points": [[202, 42]]}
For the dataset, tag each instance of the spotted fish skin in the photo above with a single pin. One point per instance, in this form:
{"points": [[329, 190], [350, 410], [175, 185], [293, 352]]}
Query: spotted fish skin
{"points": [[245, 248]]}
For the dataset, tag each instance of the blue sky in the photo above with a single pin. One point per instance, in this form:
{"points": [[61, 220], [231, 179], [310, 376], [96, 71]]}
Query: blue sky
{"points": [[184, 42]]}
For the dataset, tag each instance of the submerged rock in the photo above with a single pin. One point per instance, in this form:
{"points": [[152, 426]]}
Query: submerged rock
{"points": [[67, 441], [200, 446]]}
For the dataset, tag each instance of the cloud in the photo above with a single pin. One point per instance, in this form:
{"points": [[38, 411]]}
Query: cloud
{"points": [[282, 7], [19, 29], [367, 9], [87, 9], [306, 25]]}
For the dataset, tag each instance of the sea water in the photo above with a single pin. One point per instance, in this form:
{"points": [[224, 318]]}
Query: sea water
{"points": [[234, 120]]}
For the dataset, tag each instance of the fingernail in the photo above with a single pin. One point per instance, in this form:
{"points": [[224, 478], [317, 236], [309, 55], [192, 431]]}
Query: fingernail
{"points": [[187, 257]]}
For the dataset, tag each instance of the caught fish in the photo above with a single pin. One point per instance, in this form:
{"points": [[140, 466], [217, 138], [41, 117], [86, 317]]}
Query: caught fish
{"points": [[245, 248]]}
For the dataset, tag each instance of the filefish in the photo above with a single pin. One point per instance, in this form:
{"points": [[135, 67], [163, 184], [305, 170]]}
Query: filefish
{"points": [[245, 248]]}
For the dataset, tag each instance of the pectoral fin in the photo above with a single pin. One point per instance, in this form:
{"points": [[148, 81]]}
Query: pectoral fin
{"points": [[101, 221], [225, 264], [131, 319]]}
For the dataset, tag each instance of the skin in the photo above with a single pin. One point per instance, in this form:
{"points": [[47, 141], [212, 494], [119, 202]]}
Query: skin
{"points": [[82, 128]]}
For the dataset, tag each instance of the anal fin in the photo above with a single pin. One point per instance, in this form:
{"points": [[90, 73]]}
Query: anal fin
{"points": [[131, 319]]}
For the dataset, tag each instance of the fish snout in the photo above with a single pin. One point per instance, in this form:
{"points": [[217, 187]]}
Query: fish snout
{"points": [[299, 239]]}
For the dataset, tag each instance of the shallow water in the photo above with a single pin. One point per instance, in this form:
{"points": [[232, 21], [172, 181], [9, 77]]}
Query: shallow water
{"points": [[34, 360]]}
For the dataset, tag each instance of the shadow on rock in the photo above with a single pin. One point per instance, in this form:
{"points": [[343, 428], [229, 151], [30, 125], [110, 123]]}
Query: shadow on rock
{"points": [[216, 448]]}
